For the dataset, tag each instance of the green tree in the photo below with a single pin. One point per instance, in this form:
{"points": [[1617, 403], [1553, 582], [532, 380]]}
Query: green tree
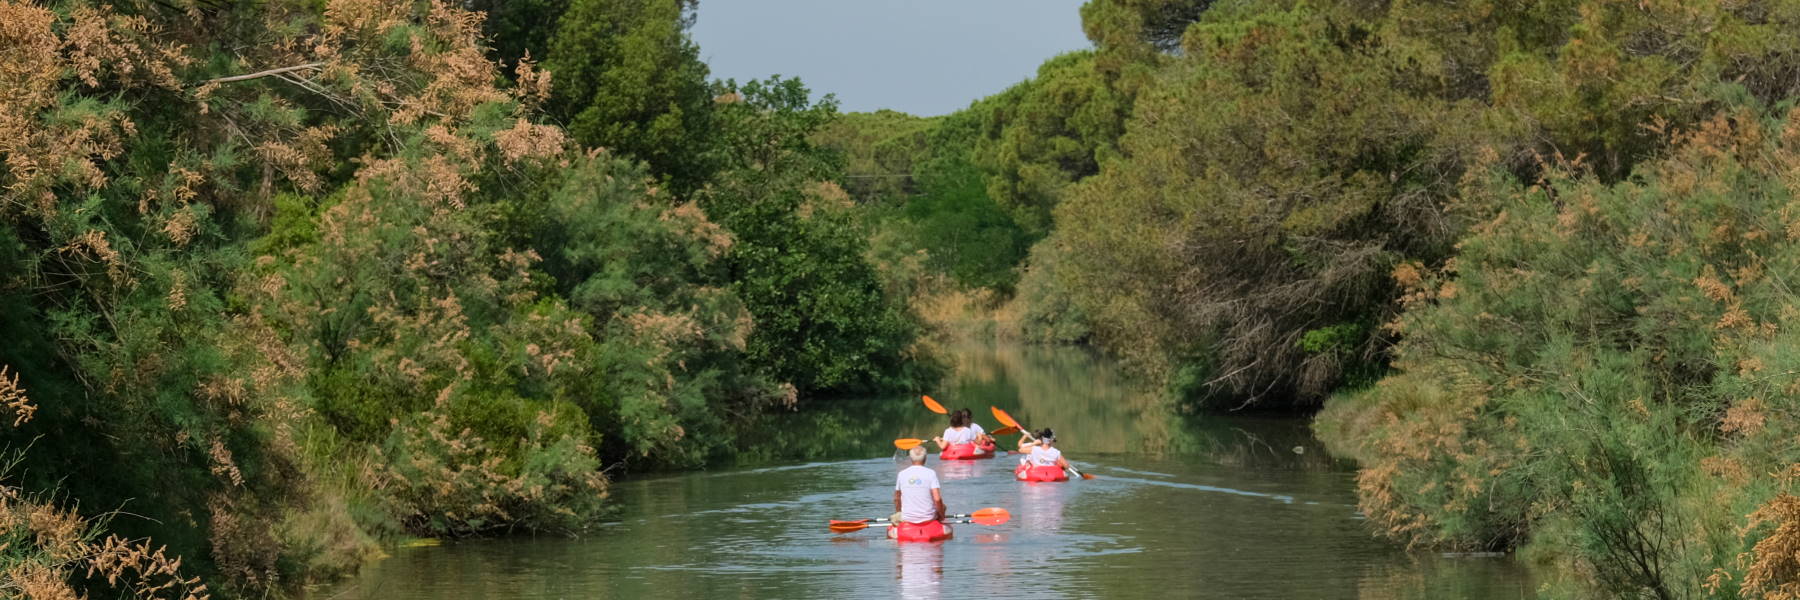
{"points": [[1265, 188], [629, 79], [518, 28], [1156, 24], [1046, 133], [823, 320], [879, 150]]}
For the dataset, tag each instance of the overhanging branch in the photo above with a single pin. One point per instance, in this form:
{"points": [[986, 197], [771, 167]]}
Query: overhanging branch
{"points": [[312, 65]]}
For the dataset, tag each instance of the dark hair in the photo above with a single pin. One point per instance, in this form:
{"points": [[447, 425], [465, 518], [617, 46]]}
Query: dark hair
{"points": [[1046, 434], [959, 418]]}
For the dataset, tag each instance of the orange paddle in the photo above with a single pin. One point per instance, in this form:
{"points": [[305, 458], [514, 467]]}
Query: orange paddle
{"points": [[989, 513], [908, 443], [986, 516], [1007, 420], [934, 406]]}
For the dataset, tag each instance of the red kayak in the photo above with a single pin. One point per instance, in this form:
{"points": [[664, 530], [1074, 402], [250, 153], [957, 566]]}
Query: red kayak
{"points": [[967, 451], [929, 531], [1049, 473]]}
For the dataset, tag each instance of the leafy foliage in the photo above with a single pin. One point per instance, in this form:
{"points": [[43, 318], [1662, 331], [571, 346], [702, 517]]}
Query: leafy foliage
{"points": [[629, 79], [1046, 133], [1230, 257], [1601, 370], [292, 276], [824, 322]]}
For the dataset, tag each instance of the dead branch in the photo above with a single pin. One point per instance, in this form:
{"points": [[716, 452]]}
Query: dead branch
{"points": [[312, 65]]}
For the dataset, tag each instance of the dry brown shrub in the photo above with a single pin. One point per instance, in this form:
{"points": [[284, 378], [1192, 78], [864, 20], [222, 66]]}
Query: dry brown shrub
{"points": [[1727, 469], [1774, 571], [38, 582], [96, 47], [695, 224], [244, 547], [94, 246], [100, 43], [223, 466], [141, 571], [181, 226], [1744, 417], [527, 140], [59, 545], [531, 85], [12, 396], [297, 156], [449, 481], [62, 539], [177, 297], [453, 72]]}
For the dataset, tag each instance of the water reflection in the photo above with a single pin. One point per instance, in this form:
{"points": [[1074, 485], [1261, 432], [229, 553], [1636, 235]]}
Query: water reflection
{"points": [[1096, 410], [1041, 506], [921, 568], [950, 470]]}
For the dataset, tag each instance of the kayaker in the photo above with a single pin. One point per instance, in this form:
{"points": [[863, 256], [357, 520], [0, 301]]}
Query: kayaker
{"points": [[981, 437], [918, 502], [960, 441], [1042, 462]]}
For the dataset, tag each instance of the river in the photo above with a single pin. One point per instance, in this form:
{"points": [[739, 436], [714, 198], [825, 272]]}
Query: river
{"points": [[1192, 507]]}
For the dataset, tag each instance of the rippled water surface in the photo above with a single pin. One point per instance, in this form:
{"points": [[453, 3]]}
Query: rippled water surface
{"points": [[1182, 507]]}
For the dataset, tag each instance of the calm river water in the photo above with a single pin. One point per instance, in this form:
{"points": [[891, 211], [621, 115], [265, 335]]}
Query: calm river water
{"points": [[1192, 507]]}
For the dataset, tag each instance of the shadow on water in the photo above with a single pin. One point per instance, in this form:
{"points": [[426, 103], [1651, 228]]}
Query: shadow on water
{"points": [[1184, 506]]}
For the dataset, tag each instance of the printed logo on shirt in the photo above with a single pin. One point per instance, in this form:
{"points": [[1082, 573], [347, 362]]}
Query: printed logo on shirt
{"points": [[914, 481]]}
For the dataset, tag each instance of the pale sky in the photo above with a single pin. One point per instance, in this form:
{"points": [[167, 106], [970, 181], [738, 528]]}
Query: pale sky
{"points": [[925, 57]]}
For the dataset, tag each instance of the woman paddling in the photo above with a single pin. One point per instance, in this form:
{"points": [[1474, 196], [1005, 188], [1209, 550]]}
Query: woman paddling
{"points": [[960, 441], [1042, 462], [983, 441]]}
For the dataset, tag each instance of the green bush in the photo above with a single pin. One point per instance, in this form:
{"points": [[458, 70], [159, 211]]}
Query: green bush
{"points": [[1597, 375], [441, 478]]}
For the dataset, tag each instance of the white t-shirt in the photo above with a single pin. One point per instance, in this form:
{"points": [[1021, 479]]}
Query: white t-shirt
{"points": [[1042, 456], [915, 484], [959, 436], [976, 427]]}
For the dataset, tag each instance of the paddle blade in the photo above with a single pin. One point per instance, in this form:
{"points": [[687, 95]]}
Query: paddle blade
{"points": [[1007, 430], [839, 522], [933, 406], [1005, 419], [991, 516], [907, 443], [1087, 475], [847, 526]]}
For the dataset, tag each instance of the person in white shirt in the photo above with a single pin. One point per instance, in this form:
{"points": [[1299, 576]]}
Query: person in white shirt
{"points": [[964, 439], [917, 495], [959, 431], [1042, 461], [981, 436]]}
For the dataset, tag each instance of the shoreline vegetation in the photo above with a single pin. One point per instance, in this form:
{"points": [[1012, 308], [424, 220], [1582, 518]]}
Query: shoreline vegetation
{"points": [[283, 282], [1527, 263]]}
